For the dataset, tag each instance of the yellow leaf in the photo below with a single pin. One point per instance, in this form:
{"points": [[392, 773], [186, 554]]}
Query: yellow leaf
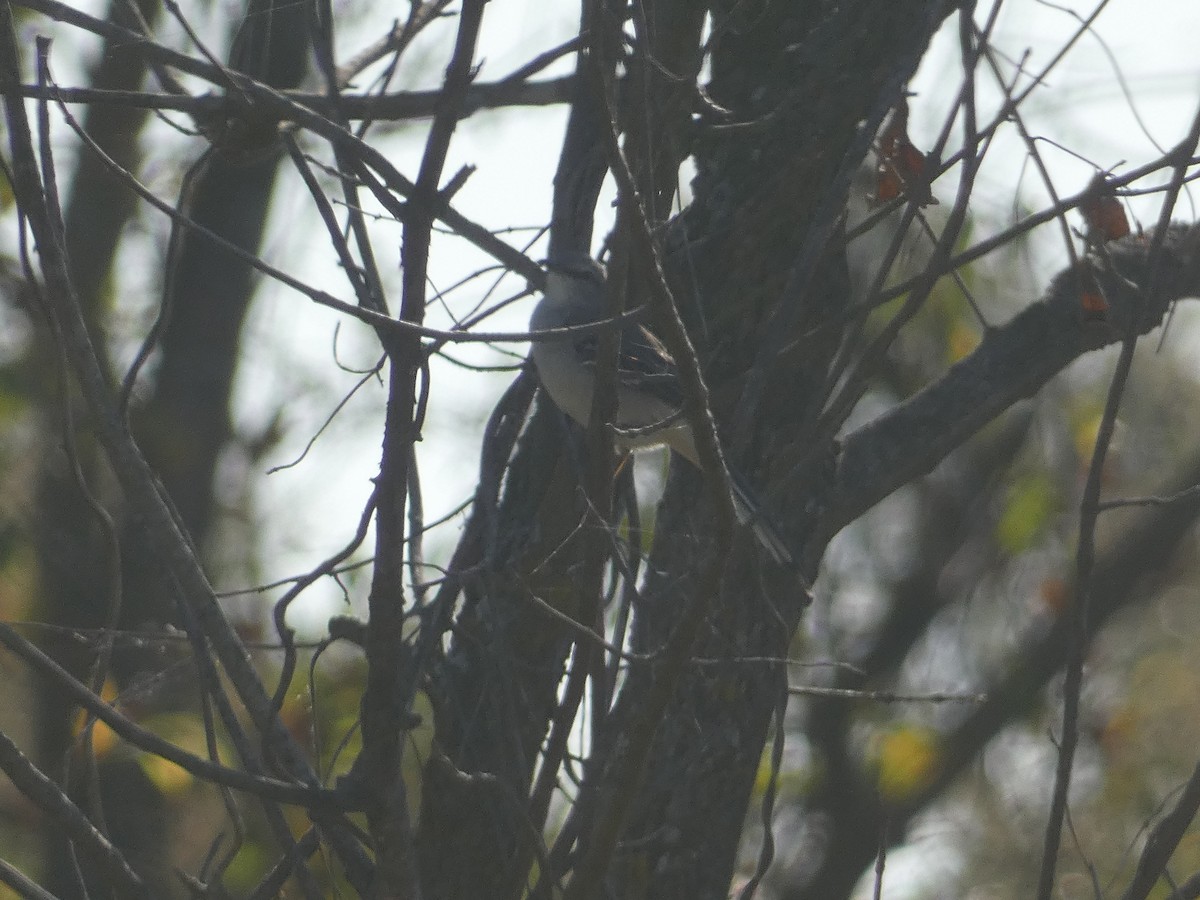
{"points": [[166, 776], [960, 340], [1031, 502], [418, 749], [906, 759], [1085, 425], [103, 738], [187, 732]]}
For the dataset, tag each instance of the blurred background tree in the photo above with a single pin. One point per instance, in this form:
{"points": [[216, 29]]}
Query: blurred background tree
{"points": [[482, 662]]}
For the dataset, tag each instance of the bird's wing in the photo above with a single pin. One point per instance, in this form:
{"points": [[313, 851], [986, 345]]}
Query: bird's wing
{"points": [[643, 363]]}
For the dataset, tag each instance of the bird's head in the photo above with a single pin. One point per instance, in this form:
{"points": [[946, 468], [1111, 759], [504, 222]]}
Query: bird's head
{"points": [[569, 271]]}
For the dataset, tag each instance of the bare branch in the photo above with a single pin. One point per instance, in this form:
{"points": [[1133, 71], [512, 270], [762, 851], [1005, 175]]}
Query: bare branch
{"points": [[49, 798], [268, 788], [141, 486], [1012, 362]]}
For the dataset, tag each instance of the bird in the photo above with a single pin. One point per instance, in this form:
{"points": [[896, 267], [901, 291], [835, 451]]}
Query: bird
{"points": [[649, 396]]}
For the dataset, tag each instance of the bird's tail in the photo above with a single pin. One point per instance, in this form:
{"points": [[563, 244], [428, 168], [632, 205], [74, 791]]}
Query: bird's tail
{"points": [[750, 513]]}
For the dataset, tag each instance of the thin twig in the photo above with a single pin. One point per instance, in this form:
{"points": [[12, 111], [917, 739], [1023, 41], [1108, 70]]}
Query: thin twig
{"points": [[1088, 514], [142, 490], [50, 799], [1163, 840], [22, 883], [269, 788]]}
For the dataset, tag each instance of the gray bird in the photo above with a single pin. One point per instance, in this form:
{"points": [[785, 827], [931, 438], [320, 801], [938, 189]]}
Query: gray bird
{"points": [[649, 400]]}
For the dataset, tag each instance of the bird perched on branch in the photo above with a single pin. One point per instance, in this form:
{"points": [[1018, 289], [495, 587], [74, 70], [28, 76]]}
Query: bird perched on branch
{"points": [[649, 398]]}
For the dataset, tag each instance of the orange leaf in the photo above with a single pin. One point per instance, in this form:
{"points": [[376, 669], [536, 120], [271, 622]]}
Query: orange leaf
{"points": [[1093, 303], [888, 185], [902, 167], [1103, 213]]}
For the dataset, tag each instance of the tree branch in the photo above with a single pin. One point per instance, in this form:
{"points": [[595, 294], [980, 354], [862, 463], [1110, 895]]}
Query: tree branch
{"points": [[142, 490], [1013, 362], [49, 798], [396, 106], [259, 785]]}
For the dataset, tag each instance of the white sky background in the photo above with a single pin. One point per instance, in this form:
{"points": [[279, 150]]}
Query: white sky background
{"points": [[316, 504]]}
